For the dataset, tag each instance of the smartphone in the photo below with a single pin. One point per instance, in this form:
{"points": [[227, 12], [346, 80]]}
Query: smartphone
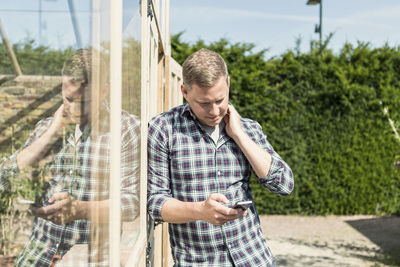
{"points": [[25, 201], [242, 204]]}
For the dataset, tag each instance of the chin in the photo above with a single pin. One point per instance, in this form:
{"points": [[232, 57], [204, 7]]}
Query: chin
{"points": [[75, 121], [214, 123]]}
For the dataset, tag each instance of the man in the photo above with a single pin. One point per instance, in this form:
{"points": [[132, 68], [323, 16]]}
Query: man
{"points": [[200, 157], [79, 170]]}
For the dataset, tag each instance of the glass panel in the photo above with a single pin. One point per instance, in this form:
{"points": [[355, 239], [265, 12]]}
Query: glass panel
{"points": [[55, 133], [160, 16], [131, 85]]}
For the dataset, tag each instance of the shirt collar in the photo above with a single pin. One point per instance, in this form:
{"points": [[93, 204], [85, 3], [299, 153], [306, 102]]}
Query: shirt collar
{"points": [[86, 129], [188, 112]]}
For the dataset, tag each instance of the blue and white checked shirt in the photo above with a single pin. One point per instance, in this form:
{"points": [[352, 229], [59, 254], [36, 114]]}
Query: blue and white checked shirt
{"points": [[184, 163]]}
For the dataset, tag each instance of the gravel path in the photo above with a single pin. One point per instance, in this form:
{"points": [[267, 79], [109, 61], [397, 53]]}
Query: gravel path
{"points": [[333, 240]]}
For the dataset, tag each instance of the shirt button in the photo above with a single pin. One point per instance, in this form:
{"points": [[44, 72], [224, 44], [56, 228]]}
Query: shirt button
{"points": [[71, 171], [219, 173]]}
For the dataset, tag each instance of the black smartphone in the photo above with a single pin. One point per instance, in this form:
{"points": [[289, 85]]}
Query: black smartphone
{"points": [[242, 204]]}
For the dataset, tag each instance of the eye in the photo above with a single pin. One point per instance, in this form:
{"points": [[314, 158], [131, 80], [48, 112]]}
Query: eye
{"points": [[219, 101], [69, 99]]}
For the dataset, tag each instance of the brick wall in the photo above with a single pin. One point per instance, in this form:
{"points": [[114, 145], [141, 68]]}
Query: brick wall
{"points": [[24, 100]]}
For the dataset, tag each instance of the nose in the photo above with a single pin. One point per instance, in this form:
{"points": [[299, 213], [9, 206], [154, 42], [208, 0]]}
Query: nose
{"points": [[66, 103], [214, 111]]}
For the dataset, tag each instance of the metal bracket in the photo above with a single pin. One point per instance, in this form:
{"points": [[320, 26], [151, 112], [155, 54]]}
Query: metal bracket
{"points": [[151, 225], [150, 242], [149, 10]]}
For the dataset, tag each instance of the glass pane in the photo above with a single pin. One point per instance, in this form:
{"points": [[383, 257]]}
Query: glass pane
{"points": [[131, 85], [55, 132]]}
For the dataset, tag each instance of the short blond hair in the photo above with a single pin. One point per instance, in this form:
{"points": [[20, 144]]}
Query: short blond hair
{"points": [[203, 68], [78, 66]]}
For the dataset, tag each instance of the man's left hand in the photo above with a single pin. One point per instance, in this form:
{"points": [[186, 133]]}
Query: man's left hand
{"points": [[64, 210], [233, 126]]}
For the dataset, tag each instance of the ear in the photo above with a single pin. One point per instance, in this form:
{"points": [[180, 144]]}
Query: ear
{"points": [[229, 81], [184, 91]]}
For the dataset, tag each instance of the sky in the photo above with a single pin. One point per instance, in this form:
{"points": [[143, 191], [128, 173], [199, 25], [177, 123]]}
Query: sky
{"points": [[275, 25], [49, 22], [272, 25]]}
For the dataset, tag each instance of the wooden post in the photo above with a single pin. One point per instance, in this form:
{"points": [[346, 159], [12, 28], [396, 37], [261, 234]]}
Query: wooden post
{"points": [[9, 50], [161, 84]]}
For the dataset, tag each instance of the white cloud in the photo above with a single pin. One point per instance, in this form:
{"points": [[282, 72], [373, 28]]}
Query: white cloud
{"points": [[384, 13], [227, 13], [377, 19]]}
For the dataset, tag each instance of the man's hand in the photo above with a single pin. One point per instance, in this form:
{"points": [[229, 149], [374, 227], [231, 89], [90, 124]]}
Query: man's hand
{"points": [[60, 120], [64, 210], [215, 213], [232, 121]]}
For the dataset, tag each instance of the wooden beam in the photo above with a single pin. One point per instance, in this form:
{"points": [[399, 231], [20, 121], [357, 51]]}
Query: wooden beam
{"points": [[161, 84], [10, 51]]}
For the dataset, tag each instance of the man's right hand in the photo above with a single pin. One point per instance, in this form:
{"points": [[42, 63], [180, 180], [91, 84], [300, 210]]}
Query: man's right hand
{"points": [[214, 212], [59, 121]]}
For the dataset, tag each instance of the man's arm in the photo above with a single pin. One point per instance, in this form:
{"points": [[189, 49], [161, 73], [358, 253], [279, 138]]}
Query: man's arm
{"points": [[210, 210], [64, 209], [258, 158], [31, 154], [269, 167]]}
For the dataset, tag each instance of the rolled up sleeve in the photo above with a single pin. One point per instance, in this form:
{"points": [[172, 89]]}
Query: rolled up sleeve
{"points": [[8, 168], [279, 179], [159, 180], [130, 169]]}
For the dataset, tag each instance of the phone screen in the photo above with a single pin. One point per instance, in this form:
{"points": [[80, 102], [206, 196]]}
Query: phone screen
{"points": [[242, 204]]}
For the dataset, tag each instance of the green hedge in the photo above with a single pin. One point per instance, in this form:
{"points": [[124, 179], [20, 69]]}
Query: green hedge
{"points": [[34, 59], [323, 112]]}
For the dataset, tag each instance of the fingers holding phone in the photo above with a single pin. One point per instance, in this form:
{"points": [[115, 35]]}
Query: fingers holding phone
{"points": [[216, 210], [244, 205]]}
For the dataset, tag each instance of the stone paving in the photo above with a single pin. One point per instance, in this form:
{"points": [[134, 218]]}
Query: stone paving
{"points": [[333, 240]]}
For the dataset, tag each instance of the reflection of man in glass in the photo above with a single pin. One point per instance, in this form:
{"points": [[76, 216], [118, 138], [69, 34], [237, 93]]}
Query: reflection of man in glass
{"points": [[79, 168]]}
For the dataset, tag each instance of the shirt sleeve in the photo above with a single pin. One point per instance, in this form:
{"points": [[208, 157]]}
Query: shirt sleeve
{"points": [[8, 168], [159, 180], [130, 169], [8, 165], [279, 179]]}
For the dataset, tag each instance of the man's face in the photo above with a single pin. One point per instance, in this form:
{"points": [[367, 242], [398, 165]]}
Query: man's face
{"points": [[209, 104], [76, 101]]}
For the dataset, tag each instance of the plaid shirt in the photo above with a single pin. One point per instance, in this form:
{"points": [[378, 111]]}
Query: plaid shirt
{"points": [[184, 163], [82, 169]]}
